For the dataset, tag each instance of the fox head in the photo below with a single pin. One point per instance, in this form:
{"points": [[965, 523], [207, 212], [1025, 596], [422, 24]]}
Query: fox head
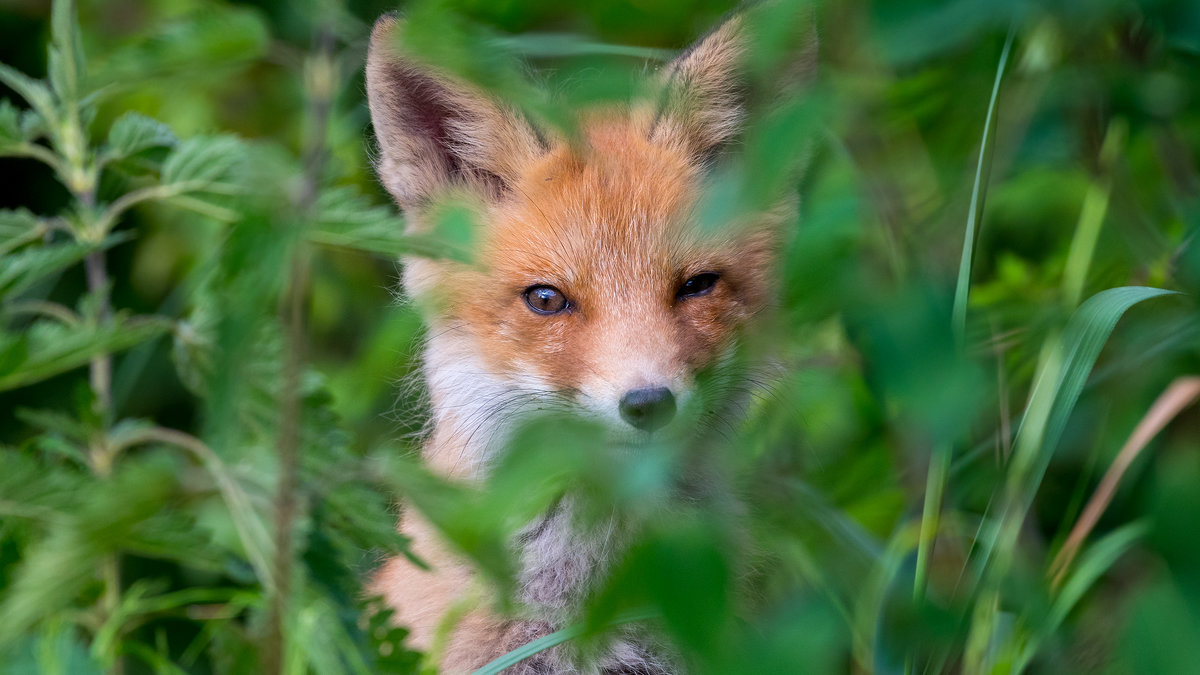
{"points": [[592, 282]]}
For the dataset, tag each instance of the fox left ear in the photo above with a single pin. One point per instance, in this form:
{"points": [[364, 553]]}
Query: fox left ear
{"points": [[436, 132], [708, 86]]}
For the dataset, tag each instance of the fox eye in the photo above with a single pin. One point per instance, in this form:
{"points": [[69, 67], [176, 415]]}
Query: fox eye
{"points": [[545, 299], [701, 284]]}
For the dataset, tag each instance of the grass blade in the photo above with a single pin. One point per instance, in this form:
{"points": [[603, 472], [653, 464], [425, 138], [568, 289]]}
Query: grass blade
{"points": [[939, 467], [554, 639], [1183, 392], [1092, 565], [1057, 386], [962, 288], [1091, 216]]}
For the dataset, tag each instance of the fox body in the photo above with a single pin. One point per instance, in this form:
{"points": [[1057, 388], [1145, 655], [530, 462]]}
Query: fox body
{"points": [[592, 288]]}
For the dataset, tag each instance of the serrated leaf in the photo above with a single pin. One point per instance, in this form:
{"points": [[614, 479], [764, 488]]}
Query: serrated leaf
{"points": [[66, 62], [133, 132], [10, 123], [203, 162], [65, 561], [55, 649], [346, 219], [55, 422], [60, 71], [35, 92], [17, 228], [216, 37], [14, 349], [52, 348], [20, 270], [32, 125]]}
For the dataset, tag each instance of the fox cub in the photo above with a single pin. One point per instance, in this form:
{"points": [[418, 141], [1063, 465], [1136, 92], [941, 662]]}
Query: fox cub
{"points": [[592, 285]]}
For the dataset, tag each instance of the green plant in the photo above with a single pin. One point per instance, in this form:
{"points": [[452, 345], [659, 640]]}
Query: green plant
{"points": [[267, 513]]}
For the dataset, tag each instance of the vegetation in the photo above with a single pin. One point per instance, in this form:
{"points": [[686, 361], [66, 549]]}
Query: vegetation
{"points": [[978, 457]]}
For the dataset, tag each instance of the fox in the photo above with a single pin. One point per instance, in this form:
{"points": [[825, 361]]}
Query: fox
{"points": [[591, 283]]}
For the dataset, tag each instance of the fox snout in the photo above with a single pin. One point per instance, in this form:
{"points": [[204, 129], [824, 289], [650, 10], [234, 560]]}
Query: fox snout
{"points": [[648, 408]]}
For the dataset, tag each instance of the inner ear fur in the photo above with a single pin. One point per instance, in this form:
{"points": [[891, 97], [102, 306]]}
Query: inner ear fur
{"points": [[435, 132], [707, 88]]}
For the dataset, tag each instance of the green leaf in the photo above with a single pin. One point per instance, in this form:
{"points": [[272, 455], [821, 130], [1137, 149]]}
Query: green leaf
{"points": [[57, 423], [35, 92], [939, 467], [32, 125], [545, 45], [553, 639], [19, 271], [52, 348], [110, 517], [10, 124], [1059, 382], [133, 132], [979, 190], [19, 227], [203, 163], [62, 76], [190, 45], [346, 219], [66, 62], [55, 649], [1092, 564]]}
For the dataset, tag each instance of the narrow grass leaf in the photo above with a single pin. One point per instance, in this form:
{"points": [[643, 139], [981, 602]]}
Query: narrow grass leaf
{"points": [[1094, 563], [1091, 216], [939, 466], [962, 288], [1183, 392], [554, 639], [1058, 384]]}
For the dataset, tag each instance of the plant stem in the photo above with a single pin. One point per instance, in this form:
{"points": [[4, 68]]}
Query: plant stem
{"points": [[101, 380], [101, 366], [320, 85], [100, 374]]}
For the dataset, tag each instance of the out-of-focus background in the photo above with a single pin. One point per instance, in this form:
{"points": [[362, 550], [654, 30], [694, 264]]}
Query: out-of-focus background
{"points": [[201, 427]]}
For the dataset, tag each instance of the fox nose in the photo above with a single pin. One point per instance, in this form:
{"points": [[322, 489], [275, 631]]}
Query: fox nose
{"points": [[648, 409]]}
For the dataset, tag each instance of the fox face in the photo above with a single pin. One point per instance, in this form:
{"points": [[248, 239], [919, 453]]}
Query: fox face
{"points": [[592, 284], [593, 280]]}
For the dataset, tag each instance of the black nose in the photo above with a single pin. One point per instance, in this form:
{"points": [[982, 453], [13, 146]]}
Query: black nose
{"points": [[648, 409]]}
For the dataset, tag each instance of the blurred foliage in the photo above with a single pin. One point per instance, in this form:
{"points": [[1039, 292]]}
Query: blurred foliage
{"points": [[199, 344]]}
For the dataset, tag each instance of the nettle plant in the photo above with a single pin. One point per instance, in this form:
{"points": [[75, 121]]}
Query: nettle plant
{"points": [[254, 529]]}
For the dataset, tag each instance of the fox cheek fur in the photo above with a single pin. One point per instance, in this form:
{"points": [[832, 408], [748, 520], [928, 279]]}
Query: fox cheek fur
{"points": [[591, 285]]}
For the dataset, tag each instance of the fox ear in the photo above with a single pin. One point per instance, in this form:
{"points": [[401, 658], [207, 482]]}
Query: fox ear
{"points": [[435, 132], [707, 87]]}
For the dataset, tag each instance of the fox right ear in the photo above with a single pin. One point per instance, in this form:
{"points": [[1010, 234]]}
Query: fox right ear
{"points": [[434, 132], [706, 89]]}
